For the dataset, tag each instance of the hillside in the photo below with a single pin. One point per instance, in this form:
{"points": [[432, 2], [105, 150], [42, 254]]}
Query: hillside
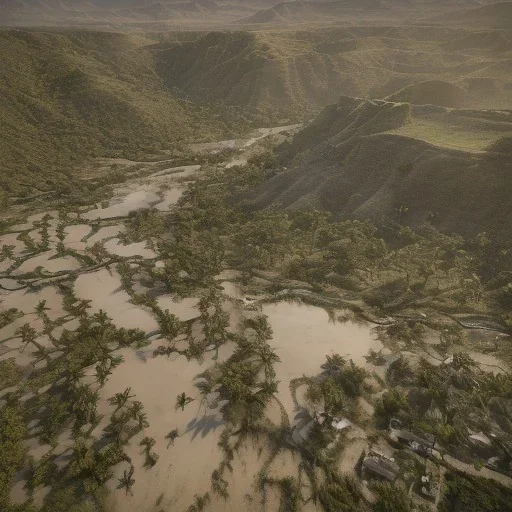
{"points": [[371, 159], [300, 11], [71, 95], [287, 73], [92, 12], [352, 11], [65, 97], [495, 16], [433, 92], [156, 14]]}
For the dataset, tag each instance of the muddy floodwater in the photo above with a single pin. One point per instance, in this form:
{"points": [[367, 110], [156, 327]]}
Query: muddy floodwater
{"points": [[304, 335], [184, 468]]}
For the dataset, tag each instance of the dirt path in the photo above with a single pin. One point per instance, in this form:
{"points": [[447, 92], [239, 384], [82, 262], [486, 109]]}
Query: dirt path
{"points": [[483, 473]]}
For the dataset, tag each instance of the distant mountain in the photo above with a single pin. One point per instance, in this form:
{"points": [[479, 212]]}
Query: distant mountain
{"points": [[369, 159], [496, 16], [121, 11], [205, 12], [308, 11], [286, 73], [300, 11]]}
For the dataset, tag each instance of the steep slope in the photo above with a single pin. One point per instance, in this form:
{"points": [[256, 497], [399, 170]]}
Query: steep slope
{"points": [[68, 96], [89, 12], [348, 11], [371, 159], [300, 11], [496, 16], [432, 92], [287, 73]]}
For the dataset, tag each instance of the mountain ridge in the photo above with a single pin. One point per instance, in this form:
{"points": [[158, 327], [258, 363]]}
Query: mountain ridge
{"points": [[364, 159], [119, 12], [298, 72], [66, 97]]}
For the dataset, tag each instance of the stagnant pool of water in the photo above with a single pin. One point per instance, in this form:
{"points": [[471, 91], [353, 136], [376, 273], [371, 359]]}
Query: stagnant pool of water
{"points": [[304, 335]]}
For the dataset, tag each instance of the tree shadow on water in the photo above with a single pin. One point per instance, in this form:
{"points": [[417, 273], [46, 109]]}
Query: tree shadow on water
{"points": [[203, 426]]}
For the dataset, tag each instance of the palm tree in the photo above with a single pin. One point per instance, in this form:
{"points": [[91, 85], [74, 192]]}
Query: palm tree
{"points": [[48, 327], [135, 408], [210, 298], [45, 235], [170, 325], [137, 411], [41, 309], [28, 335], [333, 395], [375, 358], [103, 370], [80, 309], [102, 318], [267, 390], [7, 252], [126, 481], [116, 429], [74, 375], [61, 249], [126, 274], [182, 400], [61, 235], [267, 358], [399, 370], [148, 443], [334, 363], [98, 251], [120, 399], [82, 458], [151, 457], [142, 419], [172, 436], [85, 405], [215, 325]]}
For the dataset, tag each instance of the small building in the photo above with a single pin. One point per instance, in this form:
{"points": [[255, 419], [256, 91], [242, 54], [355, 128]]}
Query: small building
{"points": [[336, 423], [301, 432], [479, 439], [421, 445], [380, 467], [429, 490], [339, 425]]}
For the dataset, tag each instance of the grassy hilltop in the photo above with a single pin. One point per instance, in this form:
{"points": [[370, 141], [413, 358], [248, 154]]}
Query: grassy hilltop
{"points": [[413, 163]]}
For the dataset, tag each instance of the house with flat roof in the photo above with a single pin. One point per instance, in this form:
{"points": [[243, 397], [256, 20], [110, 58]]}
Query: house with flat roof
{"points": [[380, 467]]}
